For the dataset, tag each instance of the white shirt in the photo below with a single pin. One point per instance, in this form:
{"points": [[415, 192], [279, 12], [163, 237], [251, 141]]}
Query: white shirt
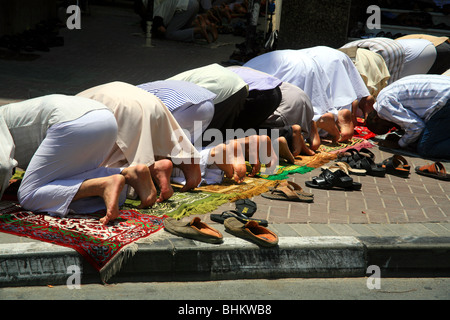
{"points": [[23, 126], [411, 101], [217, 79], [167, 8], [391, 50]]}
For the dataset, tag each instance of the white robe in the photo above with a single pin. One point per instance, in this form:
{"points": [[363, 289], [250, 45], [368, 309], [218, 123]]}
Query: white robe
{"points": [[60, 142], [146, 127]]}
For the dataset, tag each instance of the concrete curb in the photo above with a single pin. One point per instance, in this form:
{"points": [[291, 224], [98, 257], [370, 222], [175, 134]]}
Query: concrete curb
{"points": [[178, 259]]}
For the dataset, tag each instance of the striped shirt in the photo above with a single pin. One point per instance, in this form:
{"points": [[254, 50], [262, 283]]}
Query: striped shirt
{"points": [[178, 95], [392, 52], [411, 102], [256, 79]]}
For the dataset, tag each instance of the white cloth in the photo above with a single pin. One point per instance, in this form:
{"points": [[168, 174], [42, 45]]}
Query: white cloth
{"points": [[410, 102], [297, 68], [217, 79], [326, 75], [70, 154], [187, 102], [146, 127], [24, 125], [347, 84], [420, 55], [167, 8], [373, 70], [392, 52]]}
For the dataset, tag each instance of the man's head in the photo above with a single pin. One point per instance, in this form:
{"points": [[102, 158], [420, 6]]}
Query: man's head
{"points": [[377, 125]]}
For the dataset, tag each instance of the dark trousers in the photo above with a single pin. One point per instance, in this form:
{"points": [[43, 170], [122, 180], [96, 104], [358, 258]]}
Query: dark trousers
{"points": [[442, 62]]}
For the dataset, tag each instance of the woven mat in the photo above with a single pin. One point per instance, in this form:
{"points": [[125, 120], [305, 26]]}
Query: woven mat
{"points": [[356, 143], [106, 248]]}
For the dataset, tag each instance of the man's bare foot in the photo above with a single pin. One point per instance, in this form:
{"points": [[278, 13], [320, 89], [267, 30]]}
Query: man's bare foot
{"points": [[161, 171], [230, 159], [326, 122], [140, 179], [213, 31], [298, 143], [192, 175], [366, 105], [283, 150], [314, 137], [112, 188], [108, 188], [345, 124]]}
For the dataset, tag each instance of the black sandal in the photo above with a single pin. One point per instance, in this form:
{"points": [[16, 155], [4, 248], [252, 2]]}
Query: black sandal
{"points": [[363, 161], [246, 207], [338, 179], [220, 218], [397, 166]]}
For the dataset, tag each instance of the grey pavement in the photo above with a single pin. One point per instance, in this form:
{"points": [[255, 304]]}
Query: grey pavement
{"points": [[400, 225]]}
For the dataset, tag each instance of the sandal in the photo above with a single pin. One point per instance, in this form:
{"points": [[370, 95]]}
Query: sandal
{"points": [[295, 187], [363, 161], [286, 192], [246, 207], [435, 170], [346, 168], [338, 179], [397, 166], [220, 218]]}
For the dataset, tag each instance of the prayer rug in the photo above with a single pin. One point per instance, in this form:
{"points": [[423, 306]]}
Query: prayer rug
{"points": [[283, 171], [356, 143], [315, 161], [106, 248], [183, 203], [252, 186]]}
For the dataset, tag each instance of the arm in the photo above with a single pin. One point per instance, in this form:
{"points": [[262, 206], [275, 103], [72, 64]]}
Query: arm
{"points": [[7, 162], [392, 110]]}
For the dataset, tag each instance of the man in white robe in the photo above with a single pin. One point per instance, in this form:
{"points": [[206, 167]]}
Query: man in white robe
{"points": [[60, 141]]}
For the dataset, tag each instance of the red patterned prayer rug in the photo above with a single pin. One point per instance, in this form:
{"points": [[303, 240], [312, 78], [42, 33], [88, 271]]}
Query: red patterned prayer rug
{"points": [[104, 247]]}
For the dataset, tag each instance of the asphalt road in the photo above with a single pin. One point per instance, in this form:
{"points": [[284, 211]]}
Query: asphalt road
{"points": [[368, 288]]}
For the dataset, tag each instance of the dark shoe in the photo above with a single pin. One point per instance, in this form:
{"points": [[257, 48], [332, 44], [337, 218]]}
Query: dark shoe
{"points": [[251, 231], [397, 166], [194, 229], [220, 218], [329, 180], [246, 206], [435, 170], [287, 192]]}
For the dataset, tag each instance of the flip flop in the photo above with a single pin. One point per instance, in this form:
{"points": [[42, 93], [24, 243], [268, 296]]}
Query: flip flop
{"points": [[286, 193], [329, 180], [435, 170], [397, 166], [246, 206], [220, 218]]}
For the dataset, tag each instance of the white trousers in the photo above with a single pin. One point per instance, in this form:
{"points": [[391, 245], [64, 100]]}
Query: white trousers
{"points": [[70, 153]]}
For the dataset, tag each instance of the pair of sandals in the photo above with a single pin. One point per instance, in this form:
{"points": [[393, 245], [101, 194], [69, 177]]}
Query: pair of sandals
{"points": [[245, 208], [363, 159], [334, 178], [395, 165]]}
